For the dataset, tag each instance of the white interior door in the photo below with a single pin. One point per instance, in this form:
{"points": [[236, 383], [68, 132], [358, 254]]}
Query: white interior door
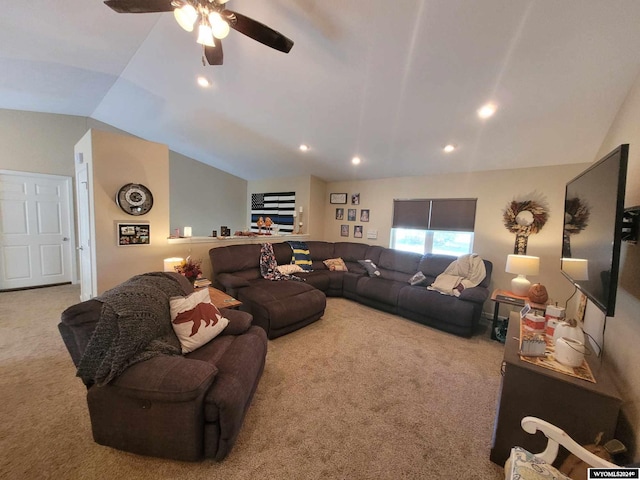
{"points": [[85, 246], [36, 224]]}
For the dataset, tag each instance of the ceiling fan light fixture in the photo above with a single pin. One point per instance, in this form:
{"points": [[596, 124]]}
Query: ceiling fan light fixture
{"points": [[219, 27], [186, 16], [205, 36]]}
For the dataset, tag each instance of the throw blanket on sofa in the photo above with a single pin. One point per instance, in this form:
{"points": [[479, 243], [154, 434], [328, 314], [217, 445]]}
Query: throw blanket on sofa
{"points": [[466, 272], [269, 265], [301, 255], [134, 325]]}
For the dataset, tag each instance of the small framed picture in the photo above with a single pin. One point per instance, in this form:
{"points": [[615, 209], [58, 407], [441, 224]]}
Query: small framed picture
{"points": [[351, 215], [133, 234], [344, 230], [339, 213], [364, 215], [355, 199], [357, 231], [338, 198]]}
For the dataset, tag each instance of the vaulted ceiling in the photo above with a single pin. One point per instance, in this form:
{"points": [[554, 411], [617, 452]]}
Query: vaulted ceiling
{"points": [[389, 81]]}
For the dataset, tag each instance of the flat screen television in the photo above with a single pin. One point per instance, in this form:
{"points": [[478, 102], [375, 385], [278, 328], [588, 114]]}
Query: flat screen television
{"points": [[592, 234]]}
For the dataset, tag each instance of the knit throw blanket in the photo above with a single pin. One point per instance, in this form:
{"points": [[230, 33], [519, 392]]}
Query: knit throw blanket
{"points": [[269, 265], [301, 255], [135, 325], [466, 272]]}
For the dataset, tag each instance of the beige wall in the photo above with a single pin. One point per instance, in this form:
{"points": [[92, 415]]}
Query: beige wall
{"points": [[309, 193], [203, 197], [622, 334], [39, 142], [118, 160], [494, 190]]}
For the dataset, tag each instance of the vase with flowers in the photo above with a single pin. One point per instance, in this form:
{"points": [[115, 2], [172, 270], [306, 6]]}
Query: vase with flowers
{"points": [[190, 269]]}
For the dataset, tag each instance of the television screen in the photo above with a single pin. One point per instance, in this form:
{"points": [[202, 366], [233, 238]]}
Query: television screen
{"points": [[594, 207]]}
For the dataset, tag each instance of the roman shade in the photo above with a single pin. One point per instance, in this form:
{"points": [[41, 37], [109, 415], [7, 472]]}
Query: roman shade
{"points": [[450, 214]]}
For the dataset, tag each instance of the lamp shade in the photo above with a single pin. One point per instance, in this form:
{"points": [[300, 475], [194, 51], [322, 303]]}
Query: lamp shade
{"points": [[523, 264], [171, 263], [576, 268]]}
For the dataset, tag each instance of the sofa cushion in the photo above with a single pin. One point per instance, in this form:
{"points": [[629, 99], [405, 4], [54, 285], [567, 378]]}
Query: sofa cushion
{"points": [[350, 251], [524, 465], [444, 308], [419, 280], [230, 281], [433, 265], [234, 258], [399, 261], [196, 320], [321, 250], [288, 269], [370, 267], [320, 279], [336, 265], [379, 289]]}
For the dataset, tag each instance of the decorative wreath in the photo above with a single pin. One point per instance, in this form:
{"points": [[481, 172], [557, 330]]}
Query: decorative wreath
{"points": [[525, 218], [576, 215]]}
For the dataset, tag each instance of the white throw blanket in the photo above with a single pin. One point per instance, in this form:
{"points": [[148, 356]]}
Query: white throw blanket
{"points": [[467, 270]]}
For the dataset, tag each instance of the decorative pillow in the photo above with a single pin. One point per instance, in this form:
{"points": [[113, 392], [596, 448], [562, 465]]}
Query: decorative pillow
{"points": [[418, 280], [195, 319], [370, 267], [301, 255], [526, 466], [289, 269], [336, 264]]}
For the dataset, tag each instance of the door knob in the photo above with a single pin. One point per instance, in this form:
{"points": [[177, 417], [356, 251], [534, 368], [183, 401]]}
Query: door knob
{"points": [[79, 248], [65, 239]]}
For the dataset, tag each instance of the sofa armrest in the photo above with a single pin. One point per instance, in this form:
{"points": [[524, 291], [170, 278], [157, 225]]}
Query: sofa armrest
{"points": [[166, 378], [475, 294], [239, 322], [230, 281]]}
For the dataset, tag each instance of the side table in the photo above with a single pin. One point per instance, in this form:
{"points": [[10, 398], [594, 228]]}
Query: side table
{"points": [[509, 298], [222, 300]]}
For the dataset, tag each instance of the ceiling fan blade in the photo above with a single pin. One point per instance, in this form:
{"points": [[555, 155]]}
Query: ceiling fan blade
{"points": [[258, 31], [140, 6], [214, 55]]}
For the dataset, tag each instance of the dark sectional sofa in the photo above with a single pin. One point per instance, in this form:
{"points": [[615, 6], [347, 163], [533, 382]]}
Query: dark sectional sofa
{"points": [[281, 307]]}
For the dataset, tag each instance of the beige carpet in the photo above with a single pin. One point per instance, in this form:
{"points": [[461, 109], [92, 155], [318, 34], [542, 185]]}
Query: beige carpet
{"points": [[360, 394]]}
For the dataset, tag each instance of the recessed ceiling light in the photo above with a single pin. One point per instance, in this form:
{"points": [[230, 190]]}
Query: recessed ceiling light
{"points": [[487, 110], [356, 160], [204, 82], [449, 148], [304, 147]]}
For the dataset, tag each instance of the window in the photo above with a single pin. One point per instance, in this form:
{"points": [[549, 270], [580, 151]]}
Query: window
{"points": [[432, 241], [443, 226]]}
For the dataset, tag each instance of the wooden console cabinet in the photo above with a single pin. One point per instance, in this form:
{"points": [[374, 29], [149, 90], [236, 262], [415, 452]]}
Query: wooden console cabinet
{"points": [[580, 408]]}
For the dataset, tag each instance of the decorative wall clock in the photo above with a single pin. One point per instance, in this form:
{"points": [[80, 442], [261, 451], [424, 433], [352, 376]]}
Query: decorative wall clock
{"points": [[134, 199]]}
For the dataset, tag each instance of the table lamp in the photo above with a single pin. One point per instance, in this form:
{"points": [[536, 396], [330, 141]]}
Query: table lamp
{"points": [[171, 263], [576, 268], [522, 265]]}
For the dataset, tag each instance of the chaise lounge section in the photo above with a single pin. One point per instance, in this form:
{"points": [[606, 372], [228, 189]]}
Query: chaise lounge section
{"points": [[281, 307]]}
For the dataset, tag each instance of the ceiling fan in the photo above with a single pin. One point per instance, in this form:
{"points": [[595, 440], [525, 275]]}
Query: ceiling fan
{"points": [[213, 20]]}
